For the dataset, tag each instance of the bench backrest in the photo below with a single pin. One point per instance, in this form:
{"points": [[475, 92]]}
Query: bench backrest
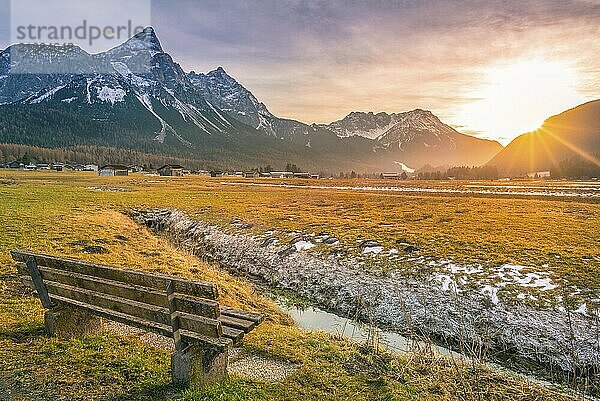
{"points": [[183, 309]]}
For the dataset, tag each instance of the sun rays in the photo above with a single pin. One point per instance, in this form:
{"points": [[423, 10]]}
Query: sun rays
{"points": [[517, 96]]}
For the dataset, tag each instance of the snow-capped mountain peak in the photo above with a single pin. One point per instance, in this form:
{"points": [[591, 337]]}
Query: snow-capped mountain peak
{"points": [[136, 79], [144, 41], [224, 92], [417, 119], [377, 125], [420, 126]]}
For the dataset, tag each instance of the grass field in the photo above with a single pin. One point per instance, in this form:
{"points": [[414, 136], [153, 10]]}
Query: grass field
{"points": [[555, 236], [65, 214]]}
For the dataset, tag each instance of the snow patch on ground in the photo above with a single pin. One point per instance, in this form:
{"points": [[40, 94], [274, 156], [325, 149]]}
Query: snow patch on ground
{"points": [[372, 250], [304, 245], [582, 309], [505, 191], [492, 292]]}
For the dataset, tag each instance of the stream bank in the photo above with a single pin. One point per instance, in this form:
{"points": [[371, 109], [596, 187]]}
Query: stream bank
{"points": [[518, 336]]}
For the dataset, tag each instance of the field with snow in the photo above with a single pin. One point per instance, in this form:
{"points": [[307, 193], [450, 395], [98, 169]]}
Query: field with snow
{"points": [[511, 266], [454, 263], [523, 242], [533, 242]]}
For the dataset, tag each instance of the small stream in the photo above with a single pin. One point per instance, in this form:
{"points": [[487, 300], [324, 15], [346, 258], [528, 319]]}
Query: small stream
{"points": [[314, 319]]}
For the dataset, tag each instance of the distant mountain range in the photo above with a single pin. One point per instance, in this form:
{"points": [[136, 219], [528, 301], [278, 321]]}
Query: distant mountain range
{"points": [[136, 96], [575, 132], [412, 138]]}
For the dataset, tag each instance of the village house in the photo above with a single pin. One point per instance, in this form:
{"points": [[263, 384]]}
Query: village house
{"points": [[251, 174], [301, 175], [282, 174], [539, 174], [113, 170], [135, 168], [62, 167], [14, 164], [171, 170], [391, 176]]}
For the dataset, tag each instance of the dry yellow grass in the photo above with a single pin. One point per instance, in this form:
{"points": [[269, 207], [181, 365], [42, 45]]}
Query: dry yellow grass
{"points": [[57, 214]]}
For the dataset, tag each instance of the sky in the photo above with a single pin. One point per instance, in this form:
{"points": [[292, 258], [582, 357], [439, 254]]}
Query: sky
{"points": [[494, 69]]}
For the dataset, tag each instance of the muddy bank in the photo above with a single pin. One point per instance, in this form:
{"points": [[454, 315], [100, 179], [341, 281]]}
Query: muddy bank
{"points": [[515, 334]]}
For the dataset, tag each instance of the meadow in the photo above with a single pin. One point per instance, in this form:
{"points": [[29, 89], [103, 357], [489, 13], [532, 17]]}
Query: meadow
{"points": [[85, 216]]}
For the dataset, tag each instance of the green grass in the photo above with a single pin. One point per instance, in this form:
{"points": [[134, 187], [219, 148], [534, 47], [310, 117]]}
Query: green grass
{"points": [[57, 214]]}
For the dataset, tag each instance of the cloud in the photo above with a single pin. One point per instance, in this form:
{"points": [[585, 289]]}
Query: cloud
{"points": [[317, 60]]}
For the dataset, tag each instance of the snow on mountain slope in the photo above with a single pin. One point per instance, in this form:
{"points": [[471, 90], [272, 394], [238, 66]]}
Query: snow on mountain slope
{"points": [[26, 69], [145, 43], [421, 138], [376, 126], [368, 125], [224, 92], [405, 168], [417, 125], [137, 71]]}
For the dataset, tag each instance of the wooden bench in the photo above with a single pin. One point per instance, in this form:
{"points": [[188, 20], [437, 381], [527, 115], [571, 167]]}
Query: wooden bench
{"points": [[78, 294]]}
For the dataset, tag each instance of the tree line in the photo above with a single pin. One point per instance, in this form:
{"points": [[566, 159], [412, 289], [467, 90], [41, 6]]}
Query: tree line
{"points": [[577, 167], [89, 154]]}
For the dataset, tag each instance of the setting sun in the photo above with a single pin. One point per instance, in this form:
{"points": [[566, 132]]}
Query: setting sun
{"points": [[518, 96]]}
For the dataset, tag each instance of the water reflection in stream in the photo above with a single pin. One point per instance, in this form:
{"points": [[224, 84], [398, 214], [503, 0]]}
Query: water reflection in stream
{"points": [[315, 319]]}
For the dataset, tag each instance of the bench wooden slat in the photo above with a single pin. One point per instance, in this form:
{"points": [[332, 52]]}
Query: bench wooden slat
{"points": [[200, 325], [231, 332], [151, 313], [157, 314], [222, 343], [235, 335], [134, 293], [192, 325], [240, 314], [236, 323], [219, 343], [153, 280], [197, 306], [187, 304]]}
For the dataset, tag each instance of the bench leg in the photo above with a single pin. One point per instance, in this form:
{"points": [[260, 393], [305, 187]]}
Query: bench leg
{"points": [[196, 366], [67, 322]]}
